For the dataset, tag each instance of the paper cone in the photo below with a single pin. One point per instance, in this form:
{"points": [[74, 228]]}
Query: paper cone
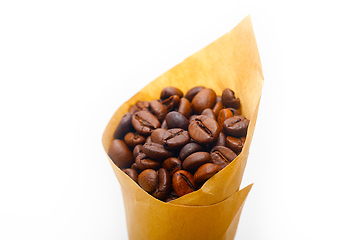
{"points": [[213, 211]]}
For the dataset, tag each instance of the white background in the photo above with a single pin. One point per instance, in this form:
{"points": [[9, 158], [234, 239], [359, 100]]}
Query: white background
{"points": [[66, 66]]}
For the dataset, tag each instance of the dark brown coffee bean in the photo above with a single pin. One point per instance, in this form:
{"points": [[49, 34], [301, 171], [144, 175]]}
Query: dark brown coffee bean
{"points": [[135, 168], [236, 126], [229, 100], [217, 108], [206, 98], [205, 172], [221, 140], [136, 150], [185, 107], [148, 139], [192, 92], [176, 120], [183, 183], [170, 91], [222, 156], [144, 162], [164, 125], [158, 109], [164, 185], [120, 154], [192, 117], [222, 116], [195, 160], [171, 103], [133, 139], [124, 126], [234, 111], [148, 180], [145, 122], [139, 106], [133, 174], [209, 112], [204, 129], [157, 135], [175, 138], [172, 165], [236, 144], [188, 149], [156, 151]]}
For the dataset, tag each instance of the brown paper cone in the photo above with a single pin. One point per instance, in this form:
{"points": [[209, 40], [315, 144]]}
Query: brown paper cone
{"points": [[213, 211]]}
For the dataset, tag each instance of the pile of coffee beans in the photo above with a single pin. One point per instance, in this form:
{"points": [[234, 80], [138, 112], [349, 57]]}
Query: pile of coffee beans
{"points": [[172, 145]]}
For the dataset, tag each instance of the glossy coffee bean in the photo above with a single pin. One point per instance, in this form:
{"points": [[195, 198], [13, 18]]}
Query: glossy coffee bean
{"points": [[222, 116], [136, 150], [132, 139], [164, 125], [192, 92], [183, 183], [148, 139], [156, 151], [148, 180], [133, 174], [124, 126], [229, 99], [120, 154], [206, 98], [158, 109], [145, 122], [221, 140], [164, 185], [234, 111], [205, 172], [236, 144], [185, 107], [176, 120], [204, 129], [175, 138], [171, 103], [188, 149], [222, 156], [139, 106], [192, 117], [217, 108], [157, 135], [144, 162], [135, 168], [236, 126], [209, 112], [195, 160], [170, 91], [172, 165]]}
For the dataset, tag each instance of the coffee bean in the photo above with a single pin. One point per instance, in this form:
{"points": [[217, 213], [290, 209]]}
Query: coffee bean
{"points": [[192, 92], [185, 107], [183, 183], [120, 154], [133, 139], [144, 122], [124, 126], [156, 151], [222, 116], [148, 180], [221, 140], [236, 144], [157, 135], [170, 91], [171, 196], [205, 172], [133, 174], [158, 109], [195, 160], [217, 108], [206, 98], [236, 126], [222, 156], [209, 112], [175, 138], [188, 149], [176, 120], [171, 103], [164, 185], [172, 165], [144, 162], [139, 106], [136, 150], [204, 129], [229, 100]]}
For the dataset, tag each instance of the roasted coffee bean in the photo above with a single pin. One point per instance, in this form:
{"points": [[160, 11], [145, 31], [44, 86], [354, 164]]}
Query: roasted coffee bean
{"points": [[206, 98], [234, 111], [132, 139], [175, 138], [217, 108], [229, 100], [124, 126], [164, 185], [156, 151], [157, 135], [236, 144], [192, 92], [222, 156], [145, 122], [171, 196], [164, 124], [135, 167], [204, 129], [120, 154], [209, 112], [170, 91], [144, 162], [192, 117], [172, 165], [139, 106], [176, 120], [148, 139], [188, 149], [185, 107], [236, 126], [171, 103], [195, 160], [158, 109], [205, 172], [136, 150], [148, 180], [133, 174], [221, 140], [183, 183], [222, 116]]}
